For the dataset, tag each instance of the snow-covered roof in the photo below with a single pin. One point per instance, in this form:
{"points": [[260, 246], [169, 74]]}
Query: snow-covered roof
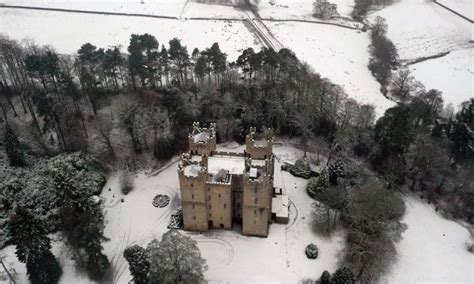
{"points": [[192, 170], [235, 165], [196, 158], [280, 205], [260, 142], [201, 137], [253, 172], [258, 163]]}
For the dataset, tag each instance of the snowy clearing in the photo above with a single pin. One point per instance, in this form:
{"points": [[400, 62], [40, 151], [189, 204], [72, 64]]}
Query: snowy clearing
{"points": [[452, 74], [327, 50], [103, 31], [432, 248]]}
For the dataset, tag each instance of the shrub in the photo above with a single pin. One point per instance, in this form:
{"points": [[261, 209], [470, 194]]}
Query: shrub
{"points": [[343, 276], [301, 168], [325, 277], [311, 251], [316, 185], [126, 182]]}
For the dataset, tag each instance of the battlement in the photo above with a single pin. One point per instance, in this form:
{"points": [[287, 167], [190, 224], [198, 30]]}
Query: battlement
{"points": [[202, 141], [259, 148]]}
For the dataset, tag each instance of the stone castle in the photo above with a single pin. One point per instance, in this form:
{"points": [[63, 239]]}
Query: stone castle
{"points": [[219, 188]]}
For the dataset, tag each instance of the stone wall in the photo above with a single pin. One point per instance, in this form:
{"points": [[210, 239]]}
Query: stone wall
{"points": [[219, 205], [193, 200], [256, 211]]}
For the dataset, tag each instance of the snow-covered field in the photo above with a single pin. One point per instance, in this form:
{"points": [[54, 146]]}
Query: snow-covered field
{"points": [[433, 249], [452, 74], [68, 31], [463, 7], [336, 53], [420, 29], [300, 9]]}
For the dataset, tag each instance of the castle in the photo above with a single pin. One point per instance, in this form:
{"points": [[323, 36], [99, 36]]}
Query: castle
{"points": [[218, 188]]}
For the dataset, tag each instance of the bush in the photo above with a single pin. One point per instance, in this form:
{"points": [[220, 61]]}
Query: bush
{"points": [[316, 185], [343, 276], [301, 168], [126, 182], [311, 251], [325, 277]]}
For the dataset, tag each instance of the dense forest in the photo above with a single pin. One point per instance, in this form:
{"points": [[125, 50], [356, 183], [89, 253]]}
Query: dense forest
{"points": [[68, 119]]}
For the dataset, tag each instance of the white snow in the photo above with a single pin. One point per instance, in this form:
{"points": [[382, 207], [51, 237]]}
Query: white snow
{"points": [[452, 74], [336, 53], [433, 249], [235, 165], [300, 9], [280, 205], [421, 28], [56, 28], [192, 170], [463, 7]]}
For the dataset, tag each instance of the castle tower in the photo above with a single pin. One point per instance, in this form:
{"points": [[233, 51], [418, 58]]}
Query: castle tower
{"points": [[192, 182], [202, 141], [259, 148], [257, 199]]}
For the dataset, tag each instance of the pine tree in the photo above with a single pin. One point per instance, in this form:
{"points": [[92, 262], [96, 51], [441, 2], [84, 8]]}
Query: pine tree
{"points": [[336, 171], [138, 263], [13, 148], [33, 247], [343, 276]]}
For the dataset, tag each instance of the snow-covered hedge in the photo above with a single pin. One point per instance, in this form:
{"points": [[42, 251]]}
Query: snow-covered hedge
{"points": [[311, 251], [301, 168]]}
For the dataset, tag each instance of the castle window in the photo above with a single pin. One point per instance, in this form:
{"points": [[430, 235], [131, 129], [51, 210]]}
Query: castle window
{"points": [[194, 217], [255, 212], [225, 206], [209, 197], [210, 206], [192, 185], [210, 215], [192, 196], [219, 195], [255, 222], [255, 200], [193, 206]]}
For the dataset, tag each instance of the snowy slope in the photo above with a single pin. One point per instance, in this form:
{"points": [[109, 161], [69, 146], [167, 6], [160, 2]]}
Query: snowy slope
{"points": [[452, 74], [105, 31], [336, 53], [432, 249]]}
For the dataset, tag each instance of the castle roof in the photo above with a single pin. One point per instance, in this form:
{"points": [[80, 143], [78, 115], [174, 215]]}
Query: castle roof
{"points": [[192, 170], [280, 205], [201, 137], [233, 164]]}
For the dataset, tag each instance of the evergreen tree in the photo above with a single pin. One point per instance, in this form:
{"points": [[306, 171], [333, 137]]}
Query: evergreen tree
{"points": [[325, 277], [138, 263], [13, 148], [33, 247], [343, 276]]}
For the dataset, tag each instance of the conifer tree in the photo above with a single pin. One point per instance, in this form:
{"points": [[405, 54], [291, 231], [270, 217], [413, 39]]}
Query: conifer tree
{"points": [[138, 263], [13, 149], [33, 247]]}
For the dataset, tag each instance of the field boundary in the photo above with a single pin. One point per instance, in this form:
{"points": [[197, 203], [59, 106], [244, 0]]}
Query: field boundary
{"points": [[454, 12]]}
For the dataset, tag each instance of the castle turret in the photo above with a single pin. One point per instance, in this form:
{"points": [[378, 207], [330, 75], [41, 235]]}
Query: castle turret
{"points": [[202, 141], [259, 148]]}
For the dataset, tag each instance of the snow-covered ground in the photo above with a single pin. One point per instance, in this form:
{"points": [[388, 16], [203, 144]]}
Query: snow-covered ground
{"points": [[68, 31], [463, 7], [300, 9], [420, 28], [452, 74], [433, 249], [336, 53]]}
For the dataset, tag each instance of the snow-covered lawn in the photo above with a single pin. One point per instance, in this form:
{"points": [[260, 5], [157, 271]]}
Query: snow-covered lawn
{"points": [[68, 31], [452, 74], [432, 249], [340, 54]]}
